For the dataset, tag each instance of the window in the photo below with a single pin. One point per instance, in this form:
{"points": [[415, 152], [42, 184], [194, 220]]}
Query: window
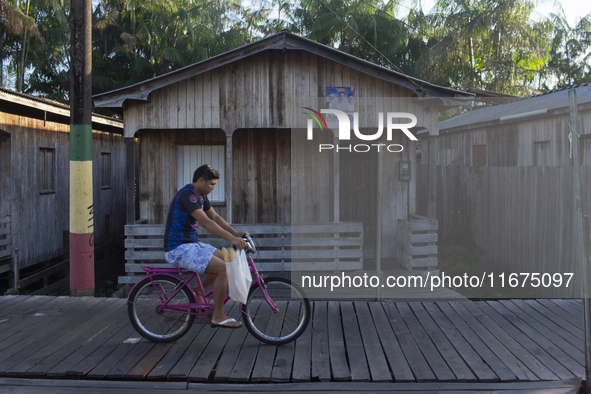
{"points": [[46, 170], [105, 170], [190, 157], [479, 155], [541, 153]]}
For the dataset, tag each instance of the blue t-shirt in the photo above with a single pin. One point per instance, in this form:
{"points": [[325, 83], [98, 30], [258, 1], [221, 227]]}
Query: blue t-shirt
{"points": [[181, 227]]}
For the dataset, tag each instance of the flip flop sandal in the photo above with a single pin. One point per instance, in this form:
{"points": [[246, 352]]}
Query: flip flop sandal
{"points": [[222, 324]]}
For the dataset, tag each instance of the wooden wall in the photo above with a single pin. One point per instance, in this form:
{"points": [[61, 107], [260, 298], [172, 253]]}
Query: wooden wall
{"points": [[514, 144], [522, 213], [39, 220], [266, 90], [158, 168], [522, 216], [261, 178]]}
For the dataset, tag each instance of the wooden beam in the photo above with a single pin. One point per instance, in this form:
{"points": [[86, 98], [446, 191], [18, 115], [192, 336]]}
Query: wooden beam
{"points": [[130, 180], [228, 180]]}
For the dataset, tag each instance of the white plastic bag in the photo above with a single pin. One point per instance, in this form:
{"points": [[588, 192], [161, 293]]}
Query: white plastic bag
{"points": [[239, 277]]}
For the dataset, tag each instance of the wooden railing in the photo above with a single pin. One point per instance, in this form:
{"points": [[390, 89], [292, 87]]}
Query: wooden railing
{"points": [[326, 246], [416, 243]]}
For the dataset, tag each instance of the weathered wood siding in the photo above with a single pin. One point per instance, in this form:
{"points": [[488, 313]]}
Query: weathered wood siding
{"points": [[39, 220], [522, 217], [261, 178], [515, 144], [158, 168], [521, 201], [264, 91]]}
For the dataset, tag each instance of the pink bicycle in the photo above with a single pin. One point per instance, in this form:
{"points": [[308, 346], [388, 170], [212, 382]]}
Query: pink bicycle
{"points": [[163, 306]]}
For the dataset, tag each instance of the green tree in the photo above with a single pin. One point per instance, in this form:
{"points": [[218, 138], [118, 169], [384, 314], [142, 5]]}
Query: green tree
{"points": [[364, 28], [571, 52], [492, 45]]}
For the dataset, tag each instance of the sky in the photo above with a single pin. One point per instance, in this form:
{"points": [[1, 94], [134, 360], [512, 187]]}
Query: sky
{"points": [[574, 9]]}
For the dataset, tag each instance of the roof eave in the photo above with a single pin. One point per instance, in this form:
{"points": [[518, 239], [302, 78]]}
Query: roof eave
{"points": [[284, 40]]}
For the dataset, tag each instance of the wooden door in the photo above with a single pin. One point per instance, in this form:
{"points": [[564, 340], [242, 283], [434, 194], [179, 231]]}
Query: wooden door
{"points": [[357, 196]]}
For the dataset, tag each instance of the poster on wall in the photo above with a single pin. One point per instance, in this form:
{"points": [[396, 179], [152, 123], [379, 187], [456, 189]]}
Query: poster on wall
{"points": [[343, 99]]}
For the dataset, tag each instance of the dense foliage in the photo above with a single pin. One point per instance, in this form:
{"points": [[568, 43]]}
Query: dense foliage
{"points": [[483, 44]]}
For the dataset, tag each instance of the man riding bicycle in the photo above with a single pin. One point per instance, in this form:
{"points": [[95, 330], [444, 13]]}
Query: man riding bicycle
{"points": [[189, 208]]}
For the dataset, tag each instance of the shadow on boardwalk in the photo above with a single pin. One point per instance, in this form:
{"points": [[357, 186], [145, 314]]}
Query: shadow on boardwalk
{"points": [[412, 346]]}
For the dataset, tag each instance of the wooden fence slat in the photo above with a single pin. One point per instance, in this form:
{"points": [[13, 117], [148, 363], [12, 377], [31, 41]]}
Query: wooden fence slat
{"points": [[423, 238], [423, 225]]}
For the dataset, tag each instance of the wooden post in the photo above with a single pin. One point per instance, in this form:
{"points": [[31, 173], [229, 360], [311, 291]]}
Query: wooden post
{"points": [[336, 180], [129, 180], [432, 208], [228, 180], [81, 197], [16, 272], [379, 225], [578, 219]]}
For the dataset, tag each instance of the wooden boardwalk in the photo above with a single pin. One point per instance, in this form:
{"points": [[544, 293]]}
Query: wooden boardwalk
{"points": [[403, 342]]}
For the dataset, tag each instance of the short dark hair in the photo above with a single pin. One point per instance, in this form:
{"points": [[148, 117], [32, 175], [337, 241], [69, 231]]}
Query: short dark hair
{"points": [[207, 172]]}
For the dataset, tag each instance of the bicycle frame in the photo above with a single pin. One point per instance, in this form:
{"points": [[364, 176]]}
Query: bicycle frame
{"points": [[198, 306]]}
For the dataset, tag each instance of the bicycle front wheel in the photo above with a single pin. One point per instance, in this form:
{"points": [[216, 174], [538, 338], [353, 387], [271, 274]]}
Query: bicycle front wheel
{"points": [[153, 321], [283, 326]]}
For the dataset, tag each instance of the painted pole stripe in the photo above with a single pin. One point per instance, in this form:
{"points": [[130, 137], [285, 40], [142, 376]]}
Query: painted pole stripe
{"points": [[80, 142], [81, 209], [82, 261]]}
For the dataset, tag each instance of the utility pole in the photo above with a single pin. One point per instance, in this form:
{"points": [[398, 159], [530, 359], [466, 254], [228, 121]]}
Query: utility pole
{"points": [[81, 198], [578, 221]]}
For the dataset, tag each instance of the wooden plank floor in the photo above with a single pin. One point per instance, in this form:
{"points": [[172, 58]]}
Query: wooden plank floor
{"points": [[403, 342]]}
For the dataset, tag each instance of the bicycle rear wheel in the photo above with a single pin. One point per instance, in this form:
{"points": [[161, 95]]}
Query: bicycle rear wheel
{"points": [[156, 323], [283, 326]]}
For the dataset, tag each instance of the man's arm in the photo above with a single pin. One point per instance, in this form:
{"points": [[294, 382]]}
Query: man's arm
{"points": [[212, 214], [213, 228]]}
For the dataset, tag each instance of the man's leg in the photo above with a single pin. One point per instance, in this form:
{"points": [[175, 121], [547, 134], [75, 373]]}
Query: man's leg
{"points": [[217, 268], [209, 278]]}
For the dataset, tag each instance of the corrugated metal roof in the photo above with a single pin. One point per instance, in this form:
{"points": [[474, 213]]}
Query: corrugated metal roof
{"points": [[519, 108]]}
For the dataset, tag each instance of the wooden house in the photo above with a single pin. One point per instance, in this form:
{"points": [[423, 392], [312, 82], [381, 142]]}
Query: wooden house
{"points": [[34, 179], [241, 111], [513, 164]]}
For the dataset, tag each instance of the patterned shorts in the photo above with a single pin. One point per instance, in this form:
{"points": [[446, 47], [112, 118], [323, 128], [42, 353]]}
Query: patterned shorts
{"points": [[194, 257]]}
